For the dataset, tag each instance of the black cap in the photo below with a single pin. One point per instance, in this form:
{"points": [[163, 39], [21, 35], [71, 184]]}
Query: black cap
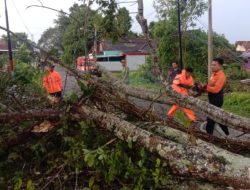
{"points": [[219, 60], [189, 69], [51, 66]]}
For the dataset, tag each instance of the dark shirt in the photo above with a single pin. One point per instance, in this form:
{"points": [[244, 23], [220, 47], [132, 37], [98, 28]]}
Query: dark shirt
{"points": [[172, 74]]}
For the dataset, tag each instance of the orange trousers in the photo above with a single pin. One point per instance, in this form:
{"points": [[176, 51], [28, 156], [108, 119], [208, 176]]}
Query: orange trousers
{"points": [[189, 113]]}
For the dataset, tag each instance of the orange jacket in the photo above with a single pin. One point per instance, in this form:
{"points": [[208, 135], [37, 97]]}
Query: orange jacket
{"points": [[52, 82], [216, 82], [182, 79]]}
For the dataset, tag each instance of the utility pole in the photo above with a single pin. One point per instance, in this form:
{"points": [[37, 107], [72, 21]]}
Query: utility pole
{"points": [[179, 32], [210, 37], [9, 40], [95, 44]]}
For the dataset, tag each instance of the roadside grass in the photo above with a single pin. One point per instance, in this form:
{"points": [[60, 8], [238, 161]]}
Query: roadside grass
{"points": [[137, 81], [143, 83], [238, 103]]}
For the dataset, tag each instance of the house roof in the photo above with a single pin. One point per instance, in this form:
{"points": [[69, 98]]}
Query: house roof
{"points": [[128, 45], [245, 44], [3, 45]]}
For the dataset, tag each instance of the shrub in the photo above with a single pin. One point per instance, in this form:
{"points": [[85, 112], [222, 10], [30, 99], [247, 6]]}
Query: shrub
{"points": [[238, 103]]}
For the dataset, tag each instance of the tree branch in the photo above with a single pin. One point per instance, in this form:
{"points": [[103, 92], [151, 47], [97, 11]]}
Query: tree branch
{"points": [[15, 117]]}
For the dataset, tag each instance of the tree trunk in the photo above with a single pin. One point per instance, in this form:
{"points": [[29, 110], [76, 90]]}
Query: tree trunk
{"points": [[192, 161], [182, 135]]}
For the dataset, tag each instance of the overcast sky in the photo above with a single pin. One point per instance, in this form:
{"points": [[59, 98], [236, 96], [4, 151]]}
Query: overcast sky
{"points": [[230, 17]]}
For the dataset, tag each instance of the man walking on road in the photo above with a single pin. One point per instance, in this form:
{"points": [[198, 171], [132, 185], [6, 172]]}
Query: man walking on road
{"points": [[215, 89], [52, 82], [175, 70], [125, 72]]}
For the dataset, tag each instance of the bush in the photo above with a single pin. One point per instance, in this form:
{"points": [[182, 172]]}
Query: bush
{"points": [[234, 72], [238, 103], [24, 73]]}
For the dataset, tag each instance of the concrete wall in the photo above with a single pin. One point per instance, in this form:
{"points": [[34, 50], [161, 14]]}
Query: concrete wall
{"points": [[133, 61], [114, 53]]}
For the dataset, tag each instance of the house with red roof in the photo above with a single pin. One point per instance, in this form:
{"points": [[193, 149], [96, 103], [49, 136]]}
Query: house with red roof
{"points": [[134, 50], [242, 46]]}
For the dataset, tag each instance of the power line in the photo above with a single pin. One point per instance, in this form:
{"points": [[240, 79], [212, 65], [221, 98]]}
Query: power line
{"points": [[223, 44], [21, 18], [205, 42]]}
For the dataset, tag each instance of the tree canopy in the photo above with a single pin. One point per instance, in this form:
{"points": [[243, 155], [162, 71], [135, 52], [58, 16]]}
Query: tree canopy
{"points": [[73, 34], [194, 38]]}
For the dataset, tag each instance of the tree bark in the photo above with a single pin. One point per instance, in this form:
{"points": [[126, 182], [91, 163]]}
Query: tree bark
{"points": [[180, 134], [15, 117], [192, 161]]}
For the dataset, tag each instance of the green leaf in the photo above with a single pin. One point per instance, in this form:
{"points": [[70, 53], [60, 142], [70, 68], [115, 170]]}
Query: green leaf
{"points": [[73, 98], [86, 188], [91, 181], [158, 162], [142, 153], [81, 85], [90, 159], [130, 144], [95, 187], [140, 163], [18, 184], [30, 186]]}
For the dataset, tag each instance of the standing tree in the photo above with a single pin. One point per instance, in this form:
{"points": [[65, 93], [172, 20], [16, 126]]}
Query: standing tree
{"points": [[123, 22], [167, 28], [18, 39], [50, 41], [23, 54], [79, 32]]}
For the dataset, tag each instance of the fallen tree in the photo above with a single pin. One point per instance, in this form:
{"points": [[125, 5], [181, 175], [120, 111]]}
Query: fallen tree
{"points": [[114, 97], [201, 162], [104, 97], [170, 97]]}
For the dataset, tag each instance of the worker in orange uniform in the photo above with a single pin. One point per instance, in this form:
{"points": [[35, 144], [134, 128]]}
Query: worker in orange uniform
{"points": [[181, 84], [215, 88], [52, 82]]}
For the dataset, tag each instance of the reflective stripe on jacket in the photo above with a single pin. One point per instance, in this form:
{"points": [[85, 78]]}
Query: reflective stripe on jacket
{"points": [[52, 82]]}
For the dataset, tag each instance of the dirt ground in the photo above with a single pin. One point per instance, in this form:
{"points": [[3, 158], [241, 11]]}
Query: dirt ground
{"points": [[70, 85]]}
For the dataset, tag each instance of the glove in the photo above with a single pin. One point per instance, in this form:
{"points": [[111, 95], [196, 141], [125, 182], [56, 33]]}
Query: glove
{"points": [[204, 87], [199, 88], [184, 86]]}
